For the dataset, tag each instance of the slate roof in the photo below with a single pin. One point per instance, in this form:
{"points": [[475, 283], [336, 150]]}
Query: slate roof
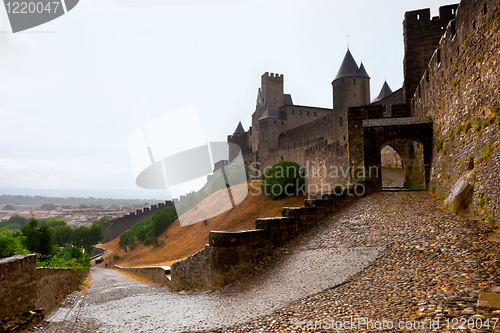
{"points": [[239, 129], [384, 92], [349, 68], [271, 113], [362, 71], [287, 99]]}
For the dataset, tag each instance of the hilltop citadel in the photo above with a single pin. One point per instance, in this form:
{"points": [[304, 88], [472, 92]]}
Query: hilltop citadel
{"points": [[450, 81]]}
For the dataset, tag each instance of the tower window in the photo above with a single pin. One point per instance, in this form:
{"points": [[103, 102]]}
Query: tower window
{"points": [[353, 82], [307, 112], [300, 112], [282, 123], [341, 122], [315, 114], [293, 111], [275, 122], [354, 95]]}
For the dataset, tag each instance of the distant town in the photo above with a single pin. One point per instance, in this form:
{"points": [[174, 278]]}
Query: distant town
{"points": [[75, 211]]}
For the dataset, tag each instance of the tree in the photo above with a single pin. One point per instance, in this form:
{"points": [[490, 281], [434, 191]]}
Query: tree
{"points": [[14, 219], [9, 207], [53, 222], [48, 206], [83, 206], [62, 235], [11, 244], [88, 237], [37, 239]]}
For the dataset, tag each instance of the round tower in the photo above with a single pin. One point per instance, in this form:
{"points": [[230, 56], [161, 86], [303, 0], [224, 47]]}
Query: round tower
{"points": [[351, 87]]}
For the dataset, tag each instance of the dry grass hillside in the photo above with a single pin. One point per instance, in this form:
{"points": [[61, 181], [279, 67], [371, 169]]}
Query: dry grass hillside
{"points": [[179, 242]]}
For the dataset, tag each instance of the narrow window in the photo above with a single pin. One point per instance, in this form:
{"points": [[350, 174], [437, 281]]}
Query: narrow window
{"points": [[341, 123], [473, 25], [353, 82], [275, 122], [427, 76], [418, 18], [315, 113], [307, 112], [282, 123], [485, 9], [439, 57], [292, 111]]}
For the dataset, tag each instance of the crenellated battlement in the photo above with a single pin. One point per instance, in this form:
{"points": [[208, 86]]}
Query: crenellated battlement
{"points": [[273, 75], [421, 38]]}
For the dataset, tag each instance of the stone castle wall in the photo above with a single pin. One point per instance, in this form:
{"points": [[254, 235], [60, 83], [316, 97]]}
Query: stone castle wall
{"points": [[460, 91], [115, 227], [311, 146], [25, 287]]}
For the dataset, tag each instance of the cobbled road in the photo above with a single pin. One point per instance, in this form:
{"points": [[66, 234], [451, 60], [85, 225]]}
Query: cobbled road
{"points": [[393, 256]]}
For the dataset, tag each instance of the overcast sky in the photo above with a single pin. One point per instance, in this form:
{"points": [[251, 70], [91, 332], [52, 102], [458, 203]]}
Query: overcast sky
{"points": [[72, 90]]}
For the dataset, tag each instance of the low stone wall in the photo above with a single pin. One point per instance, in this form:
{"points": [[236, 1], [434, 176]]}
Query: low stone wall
{"points": [[25, 287], [157, 274], [230, 254]]}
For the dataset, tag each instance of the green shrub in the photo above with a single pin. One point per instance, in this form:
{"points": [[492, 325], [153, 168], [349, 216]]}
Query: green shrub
{"points": [[284, 178], [146, 229], [152, 240], [338, 190], [11, 244], [68, 257]]}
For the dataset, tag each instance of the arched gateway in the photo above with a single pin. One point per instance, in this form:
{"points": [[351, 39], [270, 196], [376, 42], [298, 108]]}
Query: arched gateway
{"points": [[368, 132]]}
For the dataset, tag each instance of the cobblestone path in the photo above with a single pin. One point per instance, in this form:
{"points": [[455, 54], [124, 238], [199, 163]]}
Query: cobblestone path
{"points": [[424, 263]]}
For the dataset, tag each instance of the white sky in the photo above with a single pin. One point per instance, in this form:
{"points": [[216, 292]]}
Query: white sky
{"points": [[72, 90]]}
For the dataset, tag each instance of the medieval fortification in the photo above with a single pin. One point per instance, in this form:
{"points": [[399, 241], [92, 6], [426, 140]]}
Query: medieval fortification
{"points": [[443, 122]]}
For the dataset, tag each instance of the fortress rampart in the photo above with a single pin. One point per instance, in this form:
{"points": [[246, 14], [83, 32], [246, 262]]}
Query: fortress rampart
{"points": [[115, 227], [460, 91]]}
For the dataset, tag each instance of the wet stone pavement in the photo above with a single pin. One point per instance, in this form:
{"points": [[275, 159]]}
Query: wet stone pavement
{"points": [[392, 257]]}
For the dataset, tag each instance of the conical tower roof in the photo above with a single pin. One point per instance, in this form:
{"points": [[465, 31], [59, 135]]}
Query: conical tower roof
{"points": [[384, 92], [239, 129], [362, 71], [348, 68]]}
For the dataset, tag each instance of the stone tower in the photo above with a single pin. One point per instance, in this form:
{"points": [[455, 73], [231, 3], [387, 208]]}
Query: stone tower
{"points": [[421, 38], [270, 95], [351, 87]]}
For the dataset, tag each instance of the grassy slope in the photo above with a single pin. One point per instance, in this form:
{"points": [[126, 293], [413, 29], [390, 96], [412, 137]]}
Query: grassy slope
{"points": [[179, 242]]}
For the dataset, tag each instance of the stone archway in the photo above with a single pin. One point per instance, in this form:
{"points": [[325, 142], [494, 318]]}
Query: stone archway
{"points": [[412, 165], [393, 167], [368, 132], [282, 140]]}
